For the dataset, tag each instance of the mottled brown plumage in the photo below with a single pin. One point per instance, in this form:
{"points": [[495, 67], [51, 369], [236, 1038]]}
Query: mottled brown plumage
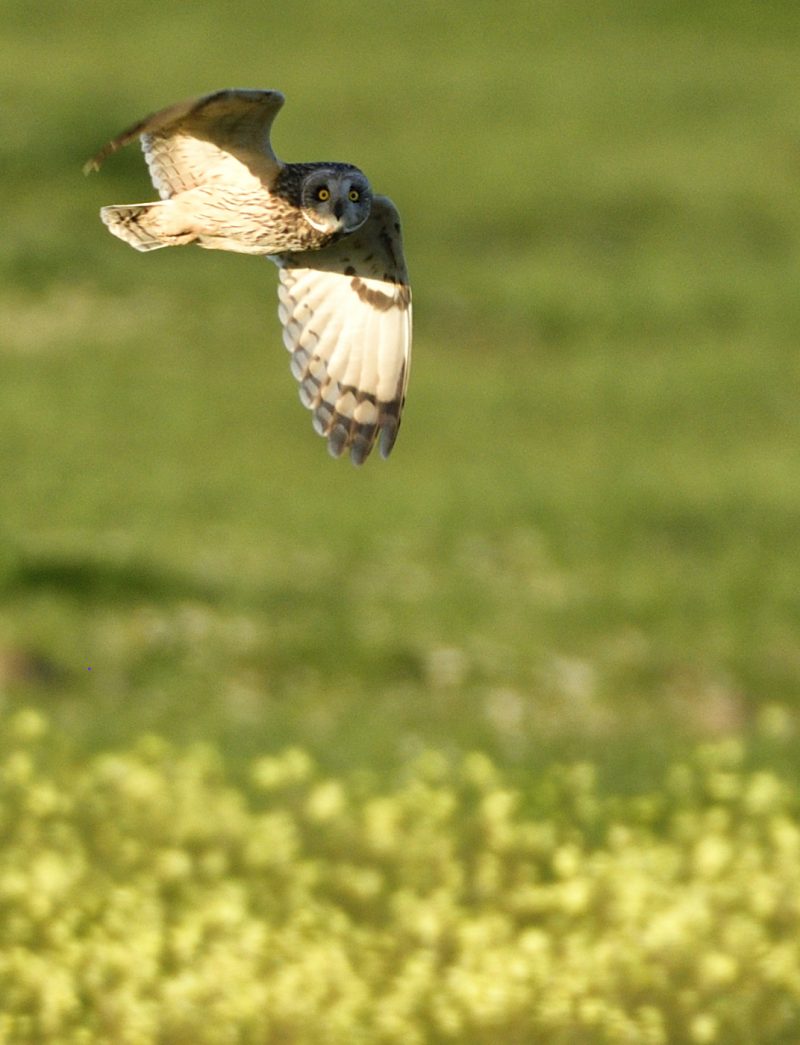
{"points": [[345, 299]]}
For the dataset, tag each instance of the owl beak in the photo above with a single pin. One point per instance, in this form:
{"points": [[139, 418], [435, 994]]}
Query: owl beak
{"points": [[338, 210]]}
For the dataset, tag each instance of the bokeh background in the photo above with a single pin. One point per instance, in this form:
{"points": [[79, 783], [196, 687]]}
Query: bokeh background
{"points": [[585, 544]]}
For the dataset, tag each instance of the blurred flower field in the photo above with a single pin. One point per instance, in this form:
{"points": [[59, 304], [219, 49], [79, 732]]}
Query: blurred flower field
{"points": [[147, 896]]}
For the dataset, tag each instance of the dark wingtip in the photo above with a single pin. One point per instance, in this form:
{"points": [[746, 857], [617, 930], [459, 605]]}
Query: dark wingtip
{"points": [[360, 449], [388, 438], [95, 163], [121, 140], [337, 440]]}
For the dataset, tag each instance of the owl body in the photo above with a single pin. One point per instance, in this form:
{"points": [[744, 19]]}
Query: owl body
{"points": [[251, 218], [345, 300]]}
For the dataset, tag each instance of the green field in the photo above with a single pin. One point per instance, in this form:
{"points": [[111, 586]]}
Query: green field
{"points": [[584, 546]]}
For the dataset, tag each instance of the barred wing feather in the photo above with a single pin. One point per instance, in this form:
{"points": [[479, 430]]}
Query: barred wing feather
{"points": [[346, 315]]}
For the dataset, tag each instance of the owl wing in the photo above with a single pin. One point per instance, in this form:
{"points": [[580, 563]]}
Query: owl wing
{"points": [[346, 315], [222, 136]]}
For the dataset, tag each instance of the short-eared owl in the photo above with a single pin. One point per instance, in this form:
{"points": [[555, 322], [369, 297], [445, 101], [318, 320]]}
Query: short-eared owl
{"points": [[345, 302]]}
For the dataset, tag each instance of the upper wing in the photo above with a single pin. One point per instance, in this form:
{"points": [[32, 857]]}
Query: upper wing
{"points": [[222, 136], [346, 313]]}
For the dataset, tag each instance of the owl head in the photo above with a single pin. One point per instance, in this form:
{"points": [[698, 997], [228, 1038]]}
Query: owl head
{"points": [[336, 199]]}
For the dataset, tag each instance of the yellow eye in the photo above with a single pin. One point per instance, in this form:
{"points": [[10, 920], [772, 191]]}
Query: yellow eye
{"points": [[354, 195], [323, 194]]}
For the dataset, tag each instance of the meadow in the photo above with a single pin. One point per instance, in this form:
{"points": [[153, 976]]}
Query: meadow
{"points": [[583, 550]]}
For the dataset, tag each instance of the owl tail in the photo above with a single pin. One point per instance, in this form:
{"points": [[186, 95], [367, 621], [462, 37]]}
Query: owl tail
{"points": [[146, 226]]}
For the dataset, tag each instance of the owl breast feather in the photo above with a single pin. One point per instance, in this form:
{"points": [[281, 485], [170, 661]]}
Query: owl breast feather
{"points": [[260, 222]]}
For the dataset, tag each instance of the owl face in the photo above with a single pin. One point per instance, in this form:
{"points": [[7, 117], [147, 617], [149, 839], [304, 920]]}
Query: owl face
{"points": [[336, 200]]}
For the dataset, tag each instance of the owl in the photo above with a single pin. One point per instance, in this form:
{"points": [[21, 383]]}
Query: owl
{"points": [[344, 296]]}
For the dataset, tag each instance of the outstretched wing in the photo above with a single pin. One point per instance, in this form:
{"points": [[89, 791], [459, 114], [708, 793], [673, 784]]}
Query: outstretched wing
{"points": [[346, 314], [220, 137]]}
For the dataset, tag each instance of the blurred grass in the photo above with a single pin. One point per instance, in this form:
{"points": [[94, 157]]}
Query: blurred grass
{"points": [[586, 539]]}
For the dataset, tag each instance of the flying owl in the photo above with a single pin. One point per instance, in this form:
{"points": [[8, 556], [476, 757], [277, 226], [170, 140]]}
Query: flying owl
{"points": [[344, 297]]}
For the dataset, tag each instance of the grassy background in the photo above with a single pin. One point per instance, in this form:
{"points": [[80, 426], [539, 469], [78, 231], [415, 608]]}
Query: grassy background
{"points": [[585, 542]]}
